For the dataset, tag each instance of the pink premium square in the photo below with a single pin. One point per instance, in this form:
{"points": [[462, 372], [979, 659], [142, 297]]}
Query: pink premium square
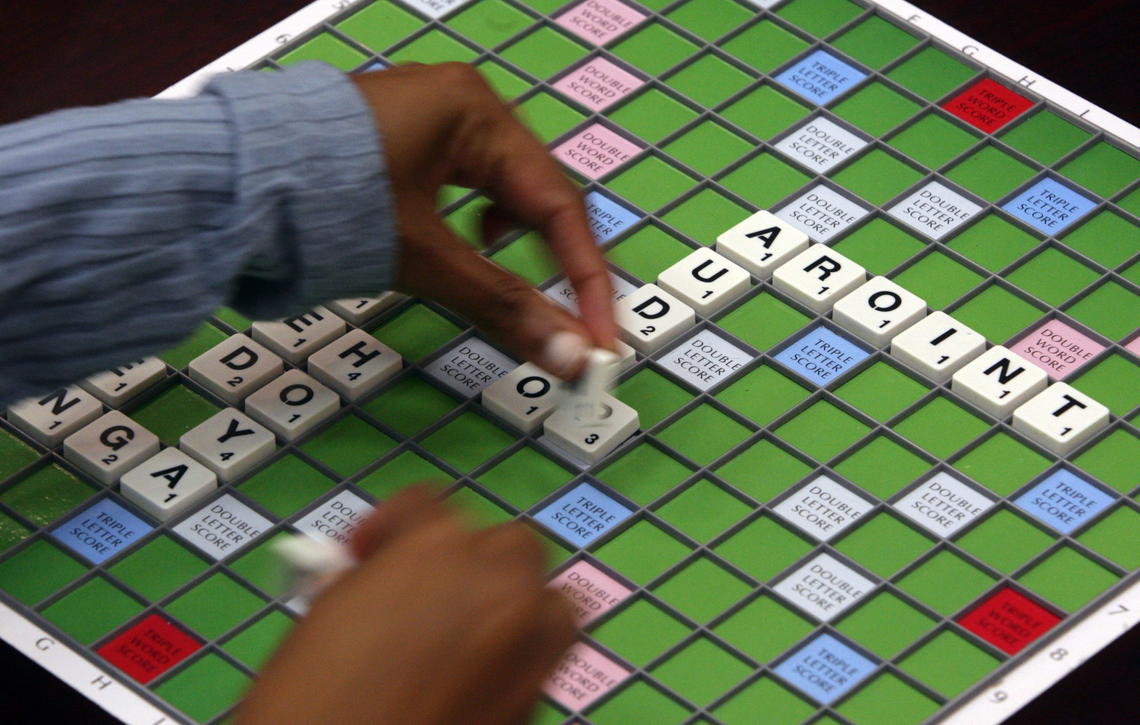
{"points": [[582, 676], [591, 591], [598, 83], [1133, 347], [599, 21], [1057, 348], [596, 151]]}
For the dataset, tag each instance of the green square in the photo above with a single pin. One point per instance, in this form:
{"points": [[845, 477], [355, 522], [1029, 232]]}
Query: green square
{"points": [[876, 109], [415, 332], [286, 485], [1005, 541], [348, 445], [640, 632], [933, 140], [709, 19], [997, 313], [410, 405], [254, 644], [505, 82], [380, 25], [524, 478], [1132, 273], [1111, 309], [11, 531], [479, 511], [941, 426], [490, 22], [158, 567], [945, 583], [14, 454], [931, 73], [402, 471], [949, 663], [643, 474], [879, 246], [261, 567], [46, 495], [865, 624], [763, 321], [205, 688], [780, 707], [763, 628], [639, 703], [1115, 380], [764, 180], [938, 279], [36, 571], [528, 257], [704, 434], [702, 590], [215, 606], [653, 115], [652, 395], [763, 394], [702, 671], [546, 714], [1110, 460], [467, 441], [1045, 137], [703, 510], [449, 194], [91, 610], [204, 337], [654, 49], [1117, 537], [547, 116], [648, 252], [174, 412], [325, 48], [764, 46], [234, 319], [434, 46], [1107, 238], [875, 42], [467, 220], [882, 467], [888, 699], [708, 147], [819, 17], [993, 242], [1103, 168], [642, 552], [1002, 464], [705, 215], [822, 430], [763, 548], [764, 112], [763, 470], [651, 183], [546, 7], [990, 173], [1068, 578], [1131, 202], [881, 391], [883, 544], [543, 52], [709, 80]]}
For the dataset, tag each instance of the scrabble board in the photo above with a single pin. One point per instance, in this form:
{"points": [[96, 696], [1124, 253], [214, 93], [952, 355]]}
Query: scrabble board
{"points": [[873, 460]]}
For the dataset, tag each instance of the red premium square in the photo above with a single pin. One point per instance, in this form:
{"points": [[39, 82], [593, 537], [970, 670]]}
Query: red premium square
{"points": [[987, 105], [1009, 621], [149, 648]]}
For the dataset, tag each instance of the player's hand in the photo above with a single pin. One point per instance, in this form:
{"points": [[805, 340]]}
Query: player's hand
{"points": [[443, 124], [438, 625]]}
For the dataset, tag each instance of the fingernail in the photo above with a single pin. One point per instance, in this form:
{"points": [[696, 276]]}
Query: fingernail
{"points": [[565, 353]]}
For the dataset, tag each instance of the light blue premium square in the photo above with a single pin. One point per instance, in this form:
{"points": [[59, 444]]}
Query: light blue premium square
{"points": [[1064, 500], [99, 532], [820, 356], [825, 669], [1049, 205], [582, 514], [820, 76], [607, 217]]}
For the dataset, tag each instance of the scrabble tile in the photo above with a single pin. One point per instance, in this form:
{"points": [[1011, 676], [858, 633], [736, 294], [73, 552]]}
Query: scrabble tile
{"points": [[292, 404], [110, 446], [1060, 418], [704, 280], [524, 397], [359, 310], [119, 384], [235, 367], [229, 443], [651, 317], [818, 276], [937, 346], [355, 365], [626, 356], [997, 381], [296, 338], [51, 418], [878, 310], [168, 484], [585, 393], [591, 441], [761, 243]]}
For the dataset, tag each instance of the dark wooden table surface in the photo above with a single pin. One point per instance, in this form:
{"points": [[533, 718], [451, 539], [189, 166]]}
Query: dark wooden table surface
{"points": [[57, 55]]}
